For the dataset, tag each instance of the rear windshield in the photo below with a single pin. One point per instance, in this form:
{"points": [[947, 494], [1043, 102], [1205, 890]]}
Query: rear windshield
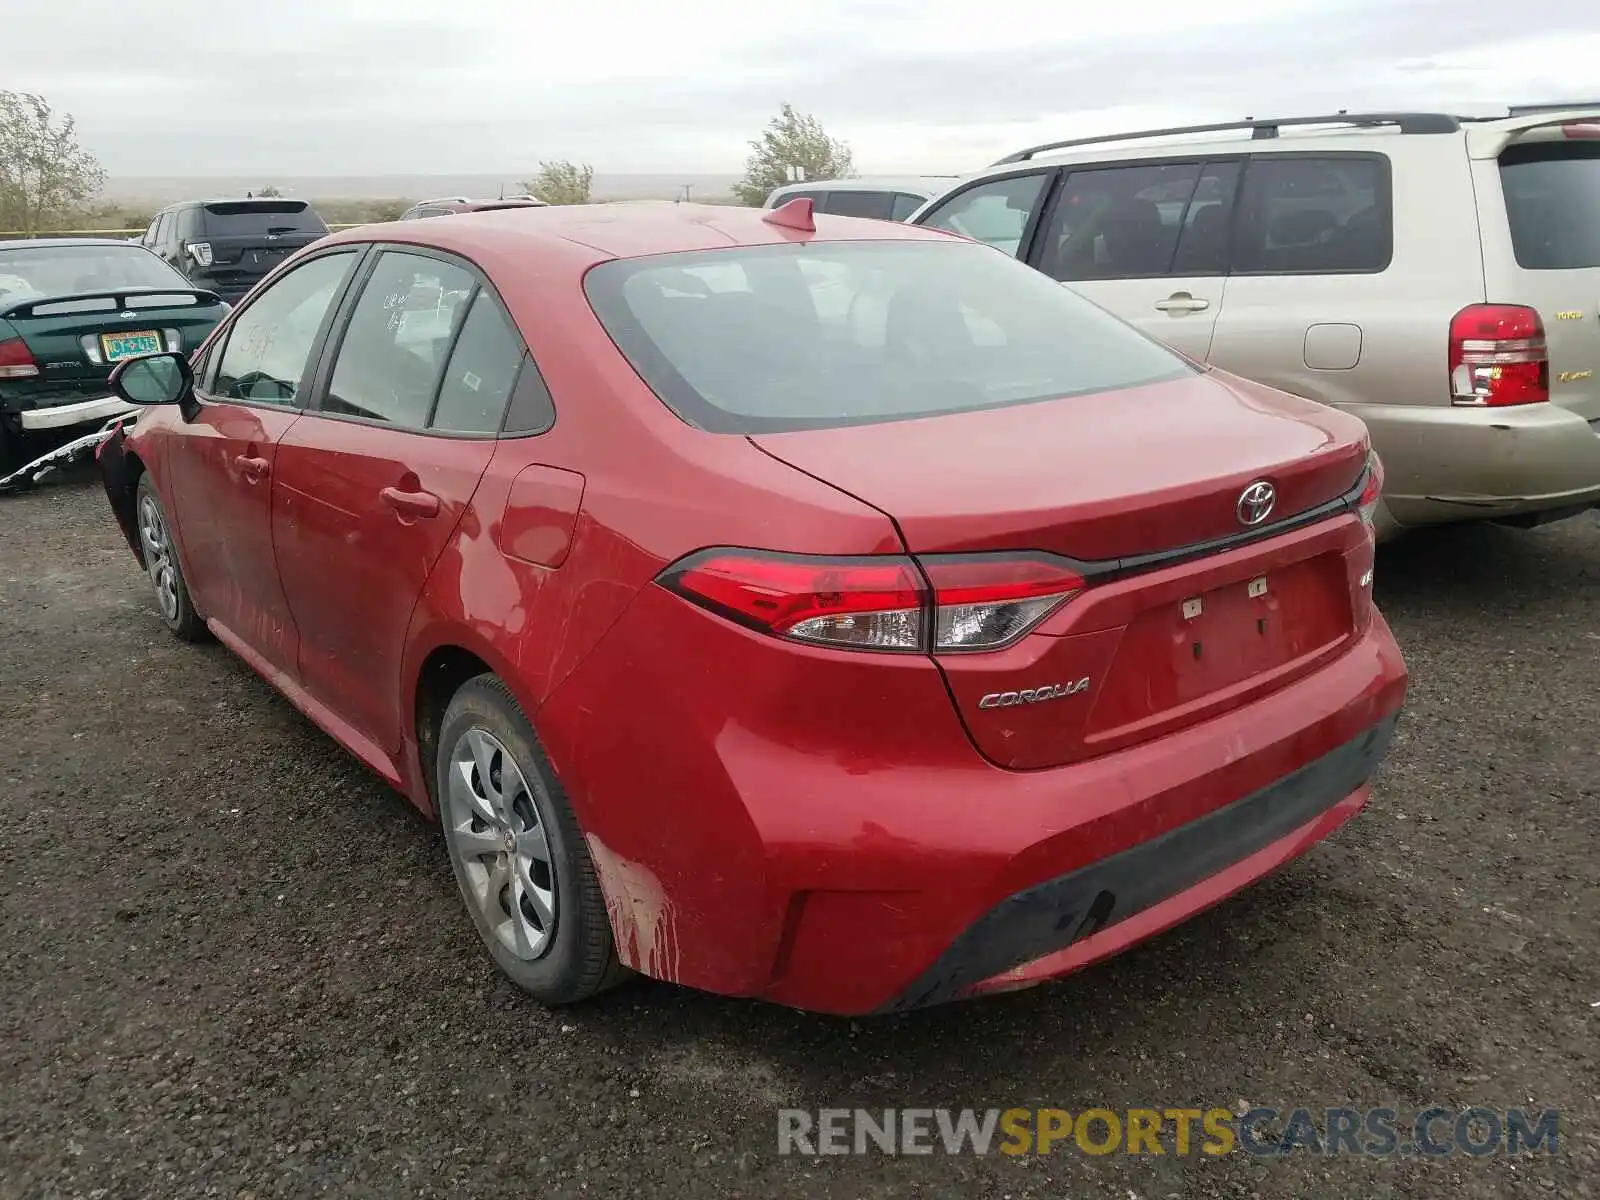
{"points": [[33, 271], [817, 335], [1552, 194], [247, 218]]}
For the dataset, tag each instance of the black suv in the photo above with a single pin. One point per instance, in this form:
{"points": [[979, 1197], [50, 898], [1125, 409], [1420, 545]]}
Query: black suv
{"points": [[228, 246]]}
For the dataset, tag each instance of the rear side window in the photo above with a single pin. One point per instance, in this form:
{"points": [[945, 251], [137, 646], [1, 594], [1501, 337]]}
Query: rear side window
{"points": [[875, 205], [904, 205], [824, 334], [1313, 215], [1552, 193], [252, 218], [995, 213], [482, 368], [778, 198]]}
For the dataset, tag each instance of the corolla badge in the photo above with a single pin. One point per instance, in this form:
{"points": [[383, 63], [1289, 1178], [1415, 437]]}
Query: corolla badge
{"points": [[1255, 502], [1034, 695]]}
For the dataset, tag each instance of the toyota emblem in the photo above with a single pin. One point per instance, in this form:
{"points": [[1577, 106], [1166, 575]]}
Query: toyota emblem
{"points": [[1255, 502]]}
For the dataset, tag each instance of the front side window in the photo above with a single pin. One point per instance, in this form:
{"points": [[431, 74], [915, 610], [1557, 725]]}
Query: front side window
{"points": [[270, 342], [995, 213], [824, 334], [1303, 214], [394, 349], [1118, 222]]}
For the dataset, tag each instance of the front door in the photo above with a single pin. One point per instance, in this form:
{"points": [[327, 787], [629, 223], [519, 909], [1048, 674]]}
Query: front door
{"points": [[372, 483], [250, 395], [1148, 243]]}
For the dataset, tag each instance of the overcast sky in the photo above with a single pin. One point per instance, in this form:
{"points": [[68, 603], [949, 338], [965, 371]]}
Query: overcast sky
{"points": [[358, 87]]}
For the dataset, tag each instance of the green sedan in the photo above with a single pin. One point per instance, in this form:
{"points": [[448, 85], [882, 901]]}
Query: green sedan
{"points": [[70, 309]]}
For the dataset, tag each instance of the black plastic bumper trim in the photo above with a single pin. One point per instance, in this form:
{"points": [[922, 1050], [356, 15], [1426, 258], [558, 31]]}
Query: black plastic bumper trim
{"points": [[1053, 915]]}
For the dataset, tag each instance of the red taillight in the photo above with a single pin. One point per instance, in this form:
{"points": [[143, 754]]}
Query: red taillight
{"points": [[979, 602], [1372, 489], [1498, 356], [986, 601], [866, 603], [16, 361]]}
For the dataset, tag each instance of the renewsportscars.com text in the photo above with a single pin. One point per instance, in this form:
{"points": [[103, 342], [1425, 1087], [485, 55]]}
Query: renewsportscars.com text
{"points": [[1436, 1131]]}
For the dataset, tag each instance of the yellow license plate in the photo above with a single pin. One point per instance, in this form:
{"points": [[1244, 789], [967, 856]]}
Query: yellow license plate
{"points": [[118, 346]]}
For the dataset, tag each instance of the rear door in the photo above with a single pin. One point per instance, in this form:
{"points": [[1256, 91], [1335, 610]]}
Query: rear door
{"points": [[246, 239], [1147, 241], [1545, 252], [372, 483]]}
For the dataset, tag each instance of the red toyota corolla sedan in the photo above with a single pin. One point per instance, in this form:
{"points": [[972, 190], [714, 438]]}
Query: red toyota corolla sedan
{"points": [[829, 611]]}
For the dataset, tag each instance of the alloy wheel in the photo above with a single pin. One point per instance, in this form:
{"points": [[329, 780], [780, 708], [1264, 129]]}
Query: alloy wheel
{"points": [[158, 557], [497, 834]]}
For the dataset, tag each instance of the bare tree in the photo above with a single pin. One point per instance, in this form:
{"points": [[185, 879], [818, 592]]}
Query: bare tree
{"points": [[792, 141], [561, 182], [43, 170]]}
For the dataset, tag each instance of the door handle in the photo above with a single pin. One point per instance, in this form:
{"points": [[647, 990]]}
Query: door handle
{"points": [[1182, 302], [253, 469], [411, 504]]}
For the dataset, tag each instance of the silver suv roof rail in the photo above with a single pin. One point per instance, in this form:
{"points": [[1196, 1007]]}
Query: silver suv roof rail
{"points": [[1405, 122]]}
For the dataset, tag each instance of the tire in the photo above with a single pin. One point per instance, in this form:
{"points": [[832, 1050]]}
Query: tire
{"points": [[161, 564], [543, 921]]}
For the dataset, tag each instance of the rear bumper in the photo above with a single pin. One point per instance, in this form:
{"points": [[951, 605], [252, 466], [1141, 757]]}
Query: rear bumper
{"points": [[82, 412], [840, 846], [1454, 464], [1047, 930]]}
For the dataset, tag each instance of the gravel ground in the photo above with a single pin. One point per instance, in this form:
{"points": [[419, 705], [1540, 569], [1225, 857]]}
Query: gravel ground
{"points": [[232, 963]]}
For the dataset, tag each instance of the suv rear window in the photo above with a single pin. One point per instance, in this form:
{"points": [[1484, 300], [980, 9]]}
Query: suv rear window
{"points": [[248, 218], [1552, 195], [824, 334]]}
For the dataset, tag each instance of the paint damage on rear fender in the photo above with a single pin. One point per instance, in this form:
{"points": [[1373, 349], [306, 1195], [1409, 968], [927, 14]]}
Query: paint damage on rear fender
{"points": [[642, 916]]}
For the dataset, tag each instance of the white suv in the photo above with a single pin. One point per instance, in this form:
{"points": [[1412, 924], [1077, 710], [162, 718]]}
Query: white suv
{"points": [[1436, 275]]}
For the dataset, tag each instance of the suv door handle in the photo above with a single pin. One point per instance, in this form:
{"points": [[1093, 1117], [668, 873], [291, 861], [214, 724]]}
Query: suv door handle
{"points": [[253, 469], [1182, 302], [411, 504]]}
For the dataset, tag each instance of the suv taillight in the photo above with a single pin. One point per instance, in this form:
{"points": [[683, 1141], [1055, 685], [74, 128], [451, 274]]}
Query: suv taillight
{"points": [[16, 360], [1371, 487], [1498, 356], [976, 602], [200, 252]]}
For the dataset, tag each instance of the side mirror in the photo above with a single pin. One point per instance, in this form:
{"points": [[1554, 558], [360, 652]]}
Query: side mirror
{"points": [[155, 379]]}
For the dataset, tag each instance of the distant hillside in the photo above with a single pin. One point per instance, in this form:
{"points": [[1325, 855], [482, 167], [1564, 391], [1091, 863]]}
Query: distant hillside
{"points": [[158, 190]]}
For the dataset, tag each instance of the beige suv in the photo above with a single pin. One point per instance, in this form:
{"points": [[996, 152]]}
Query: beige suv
{"points": [[1436, 275]]}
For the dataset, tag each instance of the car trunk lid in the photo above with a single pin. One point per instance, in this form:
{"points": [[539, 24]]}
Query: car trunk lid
{"points": [[75, 340], [1183, 609]]}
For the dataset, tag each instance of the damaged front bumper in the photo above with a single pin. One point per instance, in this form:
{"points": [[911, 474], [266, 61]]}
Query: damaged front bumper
{"points": [[62, 457]]}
